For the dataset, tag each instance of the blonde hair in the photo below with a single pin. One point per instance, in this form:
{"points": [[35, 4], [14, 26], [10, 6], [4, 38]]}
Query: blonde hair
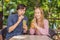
{"points": [[42, 18]]}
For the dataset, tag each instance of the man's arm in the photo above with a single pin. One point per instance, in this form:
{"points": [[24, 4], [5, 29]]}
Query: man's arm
{"points": [[11, 28]]}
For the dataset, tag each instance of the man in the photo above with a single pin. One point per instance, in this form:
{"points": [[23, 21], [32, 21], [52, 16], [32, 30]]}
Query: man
{"points": [[15, 22]]}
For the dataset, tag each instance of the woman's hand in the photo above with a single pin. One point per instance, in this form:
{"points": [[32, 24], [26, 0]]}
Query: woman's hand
{"points": [[36, 26]]}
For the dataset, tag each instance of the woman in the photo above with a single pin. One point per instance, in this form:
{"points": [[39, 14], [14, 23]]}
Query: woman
{"points": [[39, 24]]}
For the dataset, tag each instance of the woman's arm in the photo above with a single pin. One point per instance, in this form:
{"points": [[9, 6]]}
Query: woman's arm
{"points": [[32, 31], [45, 30]]}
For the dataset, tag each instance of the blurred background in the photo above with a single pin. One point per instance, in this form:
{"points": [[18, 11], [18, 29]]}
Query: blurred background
{"points": [[51, 10], [1, 14]]}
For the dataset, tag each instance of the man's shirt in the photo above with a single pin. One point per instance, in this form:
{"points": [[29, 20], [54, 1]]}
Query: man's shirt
{"points": [[12, 19]]}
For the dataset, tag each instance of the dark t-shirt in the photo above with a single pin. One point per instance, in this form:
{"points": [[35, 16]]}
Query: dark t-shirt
{"points": [[12, 19]]}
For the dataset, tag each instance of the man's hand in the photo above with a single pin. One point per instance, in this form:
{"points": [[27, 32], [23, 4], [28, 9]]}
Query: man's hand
{"points": [[25, 26], [20, 18]]}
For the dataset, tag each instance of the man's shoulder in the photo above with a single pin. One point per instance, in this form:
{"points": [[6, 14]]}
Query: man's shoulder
{"points": [[13, 15]]}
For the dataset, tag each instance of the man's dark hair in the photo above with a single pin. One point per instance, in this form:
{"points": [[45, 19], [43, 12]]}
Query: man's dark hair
{"points": [[21, 6]]}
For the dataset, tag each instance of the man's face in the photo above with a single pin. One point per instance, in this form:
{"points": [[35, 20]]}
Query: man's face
{"points": [[21, 11]]}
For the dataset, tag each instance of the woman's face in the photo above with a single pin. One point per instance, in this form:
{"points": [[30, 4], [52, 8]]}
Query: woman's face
{"points": [[37, 13]]}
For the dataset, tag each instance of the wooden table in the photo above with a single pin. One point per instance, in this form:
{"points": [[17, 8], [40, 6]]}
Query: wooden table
{"points": [[30, 37]]}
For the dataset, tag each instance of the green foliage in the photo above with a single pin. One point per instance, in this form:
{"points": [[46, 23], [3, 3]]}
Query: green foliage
{"points": [[49, 6]]}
